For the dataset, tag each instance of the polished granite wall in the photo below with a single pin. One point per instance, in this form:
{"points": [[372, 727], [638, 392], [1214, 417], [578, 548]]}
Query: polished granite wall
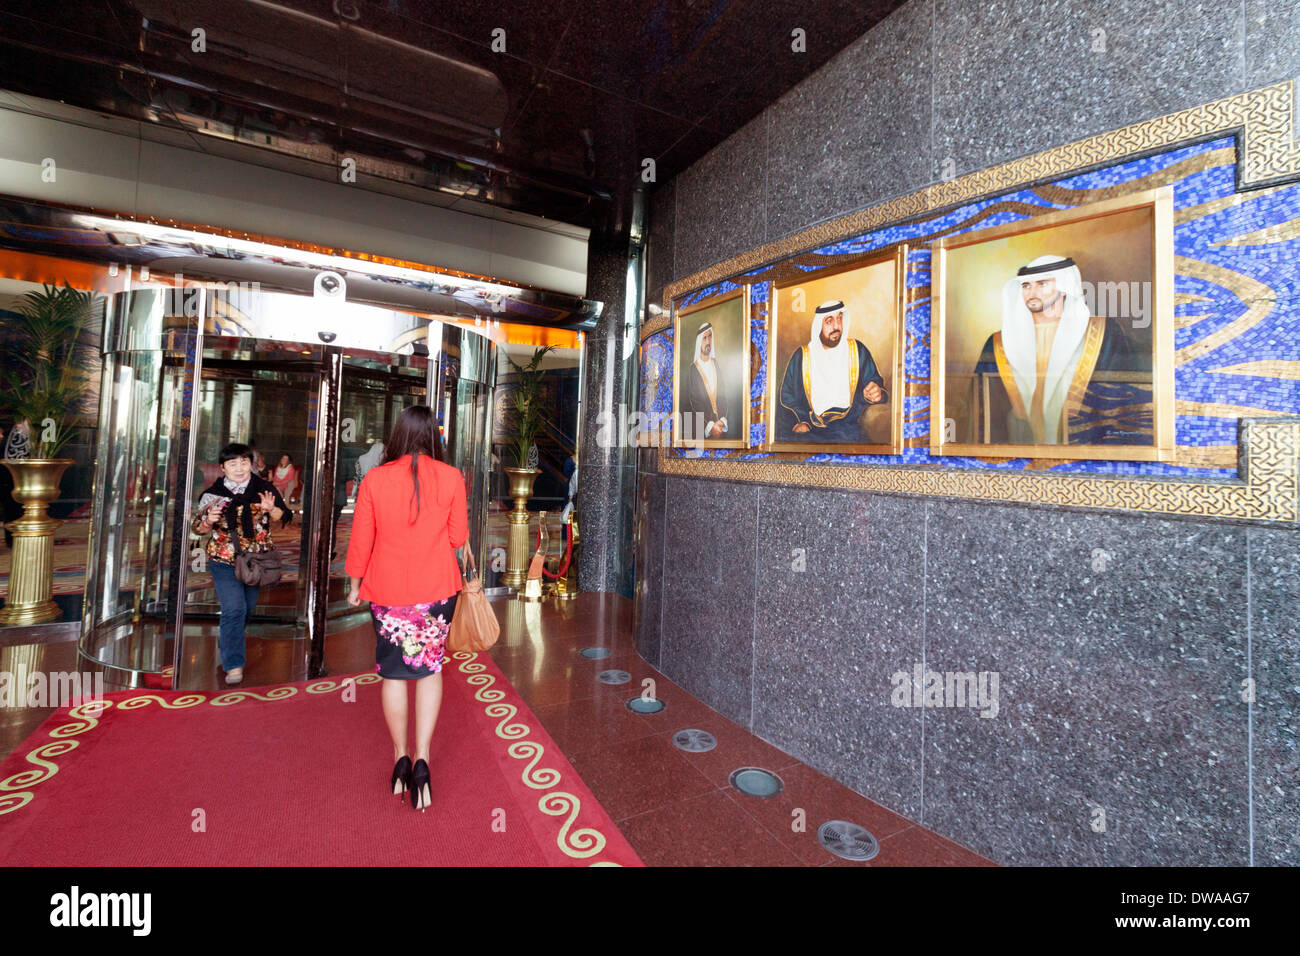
{"points": [[1122, 644], [948, 87]]}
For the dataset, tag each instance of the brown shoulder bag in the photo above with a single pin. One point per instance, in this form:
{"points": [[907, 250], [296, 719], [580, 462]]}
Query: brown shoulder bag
{"points": [[256, 569], [474, 625]]}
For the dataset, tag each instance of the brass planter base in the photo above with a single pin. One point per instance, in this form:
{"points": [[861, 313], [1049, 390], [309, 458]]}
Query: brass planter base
{"points": [[519, 549], [31, 582], [31, 574]]}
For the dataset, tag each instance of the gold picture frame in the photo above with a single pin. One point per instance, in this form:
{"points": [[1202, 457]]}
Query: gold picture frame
{"points": [[731, 332], [837, 284], [1128, 232]]}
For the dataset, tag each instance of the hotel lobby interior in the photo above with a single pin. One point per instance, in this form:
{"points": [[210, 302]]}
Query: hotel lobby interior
{"points": [[879, 423]]}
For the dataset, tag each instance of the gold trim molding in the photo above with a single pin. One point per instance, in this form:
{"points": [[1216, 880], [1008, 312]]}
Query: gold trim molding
{"points": [[657, 324], [1269, 151], [1267, 492]]}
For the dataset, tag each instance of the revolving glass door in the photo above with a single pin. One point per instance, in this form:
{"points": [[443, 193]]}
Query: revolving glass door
{"points": [[266, 396], [175, 391]]}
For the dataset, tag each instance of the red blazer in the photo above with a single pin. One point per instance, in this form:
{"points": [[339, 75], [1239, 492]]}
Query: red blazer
{"points": [[400, 558]]}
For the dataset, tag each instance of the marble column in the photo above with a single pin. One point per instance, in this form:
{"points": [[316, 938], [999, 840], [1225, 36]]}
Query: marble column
{"points": [[606, 463]]}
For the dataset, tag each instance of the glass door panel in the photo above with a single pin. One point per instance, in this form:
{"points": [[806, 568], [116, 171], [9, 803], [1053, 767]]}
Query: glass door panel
{"points": [[376, 388], [468, 414], [267, 399], [126, 624]]}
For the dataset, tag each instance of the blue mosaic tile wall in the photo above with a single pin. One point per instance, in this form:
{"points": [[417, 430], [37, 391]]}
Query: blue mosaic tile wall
{"points": [[1249, 241]]}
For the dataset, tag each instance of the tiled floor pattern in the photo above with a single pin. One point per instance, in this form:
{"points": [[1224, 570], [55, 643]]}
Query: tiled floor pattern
{"points": [[676, 808]]}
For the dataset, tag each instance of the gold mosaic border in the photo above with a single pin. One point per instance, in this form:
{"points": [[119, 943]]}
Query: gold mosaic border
{"points": [[657, 324], [1268, 491], [1269, 151]]}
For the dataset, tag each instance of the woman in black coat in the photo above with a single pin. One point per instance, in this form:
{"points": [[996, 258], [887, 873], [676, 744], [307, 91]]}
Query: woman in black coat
{"points": [[240, 502]]}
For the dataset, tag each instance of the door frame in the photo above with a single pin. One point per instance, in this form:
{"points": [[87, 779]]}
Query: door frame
{"points": [[327, 369], [327, 363]]}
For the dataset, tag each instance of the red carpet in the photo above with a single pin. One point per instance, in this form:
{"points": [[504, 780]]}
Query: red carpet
{"points": [[295, 775]]}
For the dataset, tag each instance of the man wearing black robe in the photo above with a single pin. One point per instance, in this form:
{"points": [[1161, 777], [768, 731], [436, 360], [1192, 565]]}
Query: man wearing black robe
{"points": [[829, 384]]}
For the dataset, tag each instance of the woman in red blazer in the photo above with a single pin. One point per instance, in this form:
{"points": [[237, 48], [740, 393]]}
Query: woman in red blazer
{"points": [[410, 518]]}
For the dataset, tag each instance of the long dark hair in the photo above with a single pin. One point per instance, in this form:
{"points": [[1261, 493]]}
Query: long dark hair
{"points": [[415, 434]]}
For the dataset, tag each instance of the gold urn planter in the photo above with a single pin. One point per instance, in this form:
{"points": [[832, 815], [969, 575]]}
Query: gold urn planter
{"points": [[31, 573], [519, 549]]}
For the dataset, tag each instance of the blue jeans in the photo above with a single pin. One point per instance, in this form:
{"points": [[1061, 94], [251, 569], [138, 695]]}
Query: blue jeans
{"points": [[237, 603]]}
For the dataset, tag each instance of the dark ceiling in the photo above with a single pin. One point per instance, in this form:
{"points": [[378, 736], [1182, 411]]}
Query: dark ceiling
{"points": [[557, 124]]}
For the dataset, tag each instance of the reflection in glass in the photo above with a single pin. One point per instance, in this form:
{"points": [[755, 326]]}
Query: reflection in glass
{"points": [[375, 391], [128, 571], [271, 410], [167, 407]]}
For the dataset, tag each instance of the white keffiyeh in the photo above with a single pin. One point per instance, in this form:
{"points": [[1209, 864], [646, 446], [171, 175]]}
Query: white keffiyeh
{"points": [[828, 373], [1019, 340]]}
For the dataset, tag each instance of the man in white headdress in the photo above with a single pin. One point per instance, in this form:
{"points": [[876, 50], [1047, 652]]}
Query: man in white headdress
{"points": [[703, 392], [1048, 371], [829, 383]]}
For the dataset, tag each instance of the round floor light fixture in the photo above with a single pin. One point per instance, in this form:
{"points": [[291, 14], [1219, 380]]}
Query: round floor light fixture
{"points": [[756, 782]]}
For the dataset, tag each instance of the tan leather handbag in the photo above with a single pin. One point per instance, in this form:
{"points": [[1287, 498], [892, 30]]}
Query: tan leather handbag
{"points": [[474, 626]]}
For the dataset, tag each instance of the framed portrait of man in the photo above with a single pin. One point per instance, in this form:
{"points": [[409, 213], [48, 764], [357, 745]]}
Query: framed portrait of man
{"points": [[835, 359], [1052, 337], [711, 372]]}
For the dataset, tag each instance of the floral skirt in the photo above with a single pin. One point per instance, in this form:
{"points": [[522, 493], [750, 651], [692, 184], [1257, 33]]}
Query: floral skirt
{"points": [[410, 640]]}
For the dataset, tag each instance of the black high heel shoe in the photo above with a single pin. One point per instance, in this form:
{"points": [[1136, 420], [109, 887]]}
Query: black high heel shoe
{"points": [[421, 794], [402, 778]]}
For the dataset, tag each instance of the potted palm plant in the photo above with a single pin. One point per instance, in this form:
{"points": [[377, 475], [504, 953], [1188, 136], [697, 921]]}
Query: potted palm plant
{"points": [[529, 408], [43, 385]]}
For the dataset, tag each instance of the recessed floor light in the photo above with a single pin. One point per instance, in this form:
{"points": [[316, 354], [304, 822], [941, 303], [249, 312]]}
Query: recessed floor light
{"points": [[594, 653], [613, 677], [756, 782], [642, 706]]}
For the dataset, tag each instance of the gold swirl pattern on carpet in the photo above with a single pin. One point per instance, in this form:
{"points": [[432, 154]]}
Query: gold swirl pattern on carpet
{"points": [[579, 844]]}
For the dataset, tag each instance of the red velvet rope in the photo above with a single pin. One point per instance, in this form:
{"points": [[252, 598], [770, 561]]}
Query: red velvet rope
{"points": [[568, 552]]}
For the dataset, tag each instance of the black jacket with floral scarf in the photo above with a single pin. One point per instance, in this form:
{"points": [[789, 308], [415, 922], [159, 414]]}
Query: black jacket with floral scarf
{"points": [[245, 511]]}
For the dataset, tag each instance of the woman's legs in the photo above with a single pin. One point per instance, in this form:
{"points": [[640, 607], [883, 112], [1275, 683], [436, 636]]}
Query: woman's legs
{"points": [[393, 695], [250, 602], [428, 701], [428, 690], [234, 614]]}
